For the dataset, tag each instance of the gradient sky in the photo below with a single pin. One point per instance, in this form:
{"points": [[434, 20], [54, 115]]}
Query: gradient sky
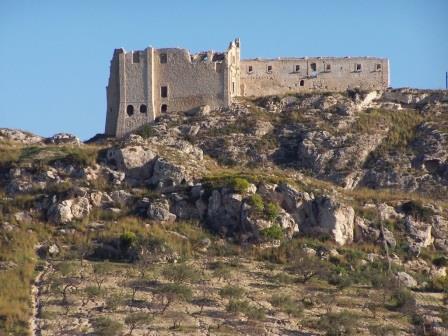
{"points": [[55, 55]]}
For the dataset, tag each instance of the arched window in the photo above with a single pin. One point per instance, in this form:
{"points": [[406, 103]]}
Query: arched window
{"points": [[130, 110], [302, 83], [143, 108], [164, 108]]}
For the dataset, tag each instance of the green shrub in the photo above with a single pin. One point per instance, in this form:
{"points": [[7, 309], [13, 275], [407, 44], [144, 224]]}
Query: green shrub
{"points": [[180, 273], [237, 306], [257, 202], [146, 131], [338, 324], [231, 292], [273, 232], [239, 185], [127, 239], [286, 304], [401, 299], [440, 261], [104, 326], [272, 211], [417, 210]]}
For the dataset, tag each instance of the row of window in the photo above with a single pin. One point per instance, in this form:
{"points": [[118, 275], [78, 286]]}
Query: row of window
{"points": [[136, 57], [144, 109], [313, 67]]}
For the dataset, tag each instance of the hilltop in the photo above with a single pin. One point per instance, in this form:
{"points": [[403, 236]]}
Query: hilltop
{"points": [[297, 214]]}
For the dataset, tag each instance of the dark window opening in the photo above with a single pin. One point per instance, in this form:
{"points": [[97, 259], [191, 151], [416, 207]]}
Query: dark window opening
{"points": [[302, 83], [233, 87], [130, 110], [269, 68], [163, 58], [164, 108], [143, 108], [327, 67], [313, 67], [136, 57], [164, 91], [297, 68], [358, 67], [250, 69], [378, 67]]}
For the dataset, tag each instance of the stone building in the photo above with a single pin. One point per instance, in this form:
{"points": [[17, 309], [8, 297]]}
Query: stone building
{"points": [[145, 84]]}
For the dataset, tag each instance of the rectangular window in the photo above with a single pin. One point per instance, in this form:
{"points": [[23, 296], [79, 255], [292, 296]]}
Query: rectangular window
{"points": [[358, 67], [296, 68], [328, 67], [233, 87], [250, 69], [164, 91], [313, 67], [378, 67], [269, 68], [135, 57], [163, 58]]}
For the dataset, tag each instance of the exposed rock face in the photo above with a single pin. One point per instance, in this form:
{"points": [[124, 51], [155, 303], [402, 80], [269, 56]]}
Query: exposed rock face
{"points": [[15, 135], [324, 215]]}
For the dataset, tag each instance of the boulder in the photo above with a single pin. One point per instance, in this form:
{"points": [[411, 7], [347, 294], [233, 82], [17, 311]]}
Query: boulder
{"points": [[167, 174], [325, 215], [406, 280], [135, 161], [419, 232], [68, 210], [63, 139], [159, 210]]}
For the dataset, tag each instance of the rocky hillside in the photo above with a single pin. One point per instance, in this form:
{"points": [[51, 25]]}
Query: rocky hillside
{"points": [[353, 184]]}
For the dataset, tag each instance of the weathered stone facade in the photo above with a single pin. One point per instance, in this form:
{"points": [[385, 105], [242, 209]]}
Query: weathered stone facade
{"points": [[144, 84]]}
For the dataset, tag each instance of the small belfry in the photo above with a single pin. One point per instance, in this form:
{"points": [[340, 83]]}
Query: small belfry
{"points": [[147, 83]]}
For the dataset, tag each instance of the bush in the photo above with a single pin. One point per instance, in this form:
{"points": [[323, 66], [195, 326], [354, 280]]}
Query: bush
{"points": [[257, 202], [104, 326], [272, 211], [127, 239], [239, 185], [231, 292], [273, 232], [417, 210], [440, 261], [286, 304], [402, 299], [146, 132], [237, 306], [180, 273], [338, 324]]}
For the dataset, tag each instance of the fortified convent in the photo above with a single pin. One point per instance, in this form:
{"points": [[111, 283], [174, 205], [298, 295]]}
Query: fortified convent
{"points": [[145, 84]]}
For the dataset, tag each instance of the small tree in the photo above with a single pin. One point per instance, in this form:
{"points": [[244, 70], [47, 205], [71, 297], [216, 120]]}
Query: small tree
{"points": [[135, 286], [338, 324], [286, 304], [172, 292], [307, 267], [135, 320], [90, 293], [231, 292], [100, 273], [180, 273]]}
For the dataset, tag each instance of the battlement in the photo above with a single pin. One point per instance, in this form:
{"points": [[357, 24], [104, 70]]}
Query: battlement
{"points": [[144, 84]]}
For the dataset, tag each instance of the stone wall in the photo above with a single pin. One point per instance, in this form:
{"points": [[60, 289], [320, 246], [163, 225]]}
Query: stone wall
{"points": [[145, 84], [280, 76]]}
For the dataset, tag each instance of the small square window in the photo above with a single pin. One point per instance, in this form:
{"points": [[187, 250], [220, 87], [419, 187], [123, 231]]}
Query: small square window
{"points": [[163, 58], [358, 67], [313, 67], [328, 67], [378, 67], [250, 69], [164, 91], [269, 68], [297, 68]]}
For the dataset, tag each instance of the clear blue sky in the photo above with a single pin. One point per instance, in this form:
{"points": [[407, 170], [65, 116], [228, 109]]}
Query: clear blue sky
{"points": [[54, 55]]}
